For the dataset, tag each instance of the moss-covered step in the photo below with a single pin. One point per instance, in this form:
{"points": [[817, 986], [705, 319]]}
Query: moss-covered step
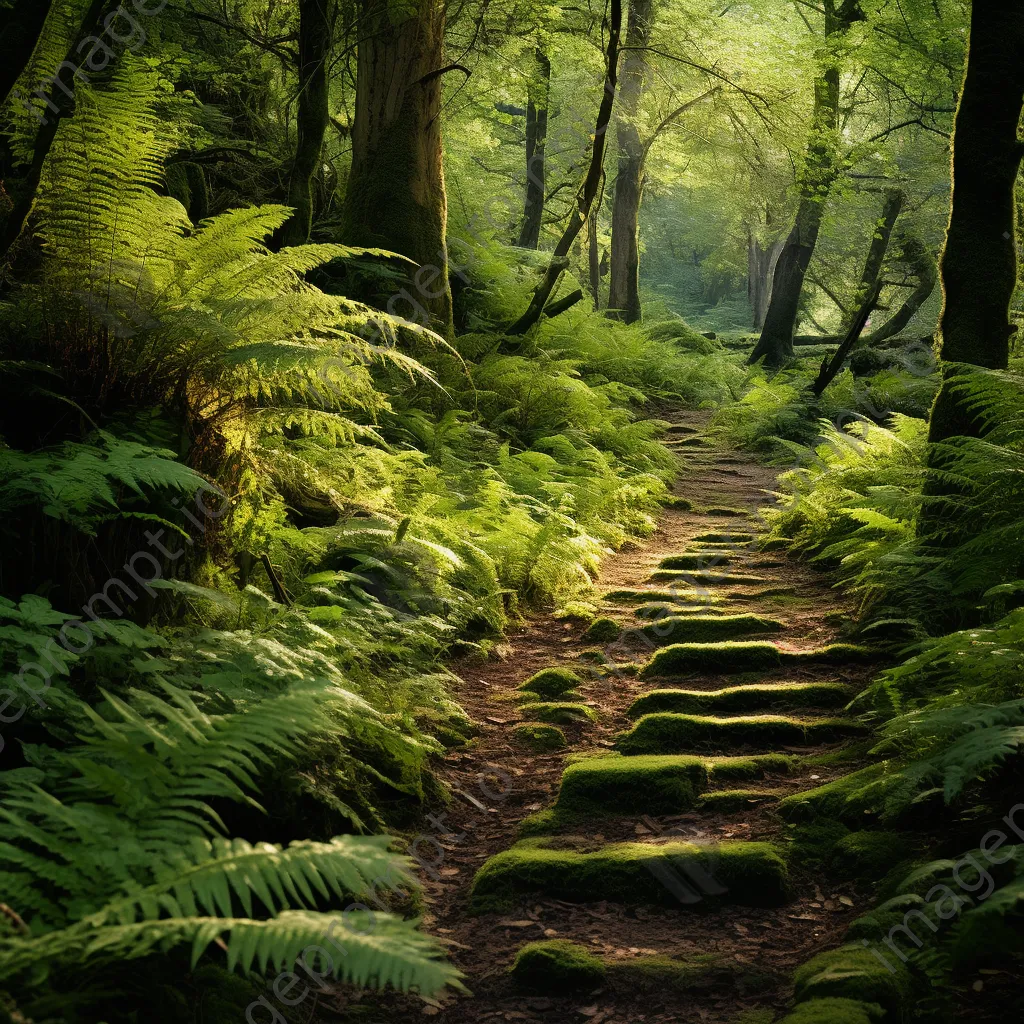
{"points": [[709, 628], [724, 538], [539, 737], [753, 766], [559, 965], [602, 630], [726, 511], [557, 712], [551, 682], [853, 972], [636, 874], [667, 733], [632, 785], [737, 699], [707, 577], [696, 560], [835, 1011], [729, 801], [853, 798], [748, 656], [663, 610], [669, 595]]}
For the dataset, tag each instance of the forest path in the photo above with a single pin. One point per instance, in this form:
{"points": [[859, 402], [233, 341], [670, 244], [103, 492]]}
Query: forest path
{"points": [[733, 928]]}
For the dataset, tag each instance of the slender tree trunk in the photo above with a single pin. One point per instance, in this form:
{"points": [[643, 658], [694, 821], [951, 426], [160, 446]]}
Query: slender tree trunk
{"points": [[21, 25], [979, 260], [396, 197], [821, 169], [922, 264], [316, 28], [536, 138], [624, 284], [591, 184], [868, 291], [760, 268]]}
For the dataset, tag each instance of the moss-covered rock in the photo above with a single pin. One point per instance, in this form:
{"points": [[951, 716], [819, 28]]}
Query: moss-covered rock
{"points": [[696, 560], [557, 965], [602, 630], [729, 801], [663, 609], [667, 733], [850, 798], [853, 972], [558, 712], [875, 926], [551, 682], [812, 845], [742, 698], [869, 855], [831, 654], [706, 577], [637, 785], [680, 504], [708, 628], [740, 769], [670, 595], [539, 737], [672, 874], [594, 656], [726, 511], [727, 656], [735, 537], [835, 1011]]}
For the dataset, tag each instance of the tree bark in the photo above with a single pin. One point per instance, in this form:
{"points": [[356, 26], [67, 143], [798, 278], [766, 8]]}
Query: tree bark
{"points": [[978, 265], [396, 196], [821, 169], [916, 256], [585, 197], [21, 25], [868, 291], [760, 269], [624, 284], [536, 138], [316, 29]]}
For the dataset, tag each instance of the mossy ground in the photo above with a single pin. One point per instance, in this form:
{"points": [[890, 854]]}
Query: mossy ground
{"points": [[751, 874], [849, 798], [709, 628], [667, 733], [551, 682], [870, 855], [735, 699], [853, 972], [557, 965], [835, 1011], [539, 737], [558, 712], [602, 630], [633, 785], [729, 801]]}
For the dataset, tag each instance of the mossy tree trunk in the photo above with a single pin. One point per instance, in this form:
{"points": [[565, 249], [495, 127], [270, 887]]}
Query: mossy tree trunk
{"points": [[536, 139], [978, 265], [921, 262], [396, 196], [624, 285], [821, 168], [316, 29]]}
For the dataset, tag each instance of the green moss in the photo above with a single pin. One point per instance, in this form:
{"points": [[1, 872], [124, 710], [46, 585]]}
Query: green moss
{"points": [[602, 630], [765, 594], [742, 698], [752, 874], [729, 801], [813, 845], [876, 925], [754, 1016], [835, 1011], [735, 537], [558, 712], [667, 733], [595, 656], [706, 577], [849, 798], [709, 628], [725, 511], [556, 965], [696, 560], [727, 656], [661, 609], [541, 738], [739, 769], [853, 972], [869, 854], [637, 785], [551, 682], [657, 973], [831, 654], [682, 504]]}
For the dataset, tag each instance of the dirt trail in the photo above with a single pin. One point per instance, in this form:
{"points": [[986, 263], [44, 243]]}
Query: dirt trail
{"points": [[498, 782]]}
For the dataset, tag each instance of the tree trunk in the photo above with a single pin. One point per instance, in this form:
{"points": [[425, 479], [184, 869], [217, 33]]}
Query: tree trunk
{"points": [[536, 138], [760, 269], [916, 256], [316, 28], [396, 198], [21, 25], [868, 291], [624, 285], [979, 260], [821, 169], [591, 184]]}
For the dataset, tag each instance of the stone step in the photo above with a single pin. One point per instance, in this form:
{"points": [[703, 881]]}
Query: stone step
{"points": [[735, 699], [708, 628], [697, 560], [675, 874], [670, 733], [706, 577], [742, 656]]}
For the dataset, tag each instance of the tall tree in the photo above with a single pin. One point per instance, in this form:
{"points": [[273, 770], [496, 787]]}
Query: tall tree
{"points": [[536, 138], [821, 168], [316, 29], [395, 197], [978, 266], [624, 287]]}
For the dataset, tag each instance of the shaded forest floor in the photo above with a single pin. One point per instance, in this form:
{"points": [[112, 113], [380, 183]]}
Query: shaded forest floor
{"points": [[497, 783]]}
